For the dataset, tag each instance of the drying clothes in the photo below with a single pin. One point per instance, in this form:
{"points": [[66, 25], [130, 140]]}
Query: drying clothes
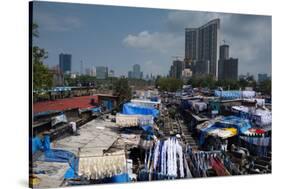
{"points": [[259, 141], [99, 167], [167, 160], [124, 120], [218, 166], [262, 117]]}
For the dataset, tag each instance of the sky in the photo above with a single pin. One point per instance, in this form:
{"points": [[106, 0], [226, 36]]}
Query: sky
{"points": [[119, 37]]}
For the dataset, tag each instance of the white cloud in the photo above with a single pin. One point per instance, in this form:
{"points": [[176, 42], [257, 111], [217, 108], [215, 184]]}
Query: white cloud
{"points": [[160, 42]]}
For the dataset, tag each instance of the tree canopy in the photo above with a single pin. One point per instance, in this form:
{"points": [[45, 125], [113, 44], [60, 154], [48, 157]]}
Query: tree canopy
{"points": [[122, 89], [42, 77], [168, 84]]}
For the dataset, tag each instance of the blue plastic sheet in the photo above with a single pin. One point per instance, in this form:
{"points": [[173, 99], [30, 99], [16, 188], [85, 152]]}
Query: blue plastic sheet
{"points": [[57, 155], [96, 110], [36, 144], [121, 178], [131, 109], [228, 94], [242, 125]]}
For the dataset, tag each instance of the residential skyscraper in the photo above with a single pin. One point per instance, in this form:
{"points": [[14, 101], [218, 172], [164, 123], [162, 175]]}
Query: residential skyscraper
{"points": [[224, 52], [228, 67], [65, 63], [176, 69], [202, 68], [201, 44]]}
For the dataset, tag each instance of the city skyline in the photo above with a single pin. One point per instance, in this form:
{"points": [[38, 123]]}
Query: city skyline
{"points": [[148, 37]]}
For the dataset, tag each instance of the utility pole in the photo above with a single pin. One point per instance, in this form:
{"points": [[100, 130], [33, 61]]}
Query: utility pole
{"points": [[81, 67]]}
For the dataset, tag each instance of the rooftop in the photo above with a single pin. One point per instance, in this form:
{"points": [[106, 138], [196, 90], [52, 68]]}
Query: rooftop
{"points": [[82, 102]]}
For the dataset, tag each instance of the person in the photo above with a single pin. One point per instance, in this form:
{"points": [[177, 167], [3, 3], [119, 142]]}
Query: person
{"points": [[73, 128]]}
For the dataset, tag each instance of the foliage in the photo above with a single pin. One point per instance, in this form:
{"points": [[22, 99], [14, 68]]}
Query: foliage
{"points": [[42, 77], [265, 87], [122, 89], [168, 84], [210, 82]]}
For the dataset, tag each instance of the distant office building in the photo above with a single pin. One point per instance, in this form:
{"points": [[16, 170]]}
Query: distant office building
{"points": [[176, 69], [88, 71], [201, 44], [136, 73], [262, 77], [73, 75], [101, 72], [65, 63], [201, 68], [130, 74], [228, 67], [111, 73]]}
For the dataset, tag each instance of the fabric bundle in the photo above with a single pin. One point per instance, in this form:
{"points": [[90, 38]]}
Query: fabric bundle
{"points": [[200, 106], [99, 167], [59, 119]]}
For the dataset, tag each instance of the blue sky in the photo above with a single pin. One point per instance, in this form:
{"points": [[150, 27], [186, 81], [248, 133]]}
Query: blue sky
{"points": [[119, 37]]}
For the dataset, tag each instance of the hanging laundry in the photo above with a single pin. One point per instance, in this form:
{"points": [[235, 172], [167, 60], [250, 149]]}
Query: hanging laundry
{"points": [[99, 167]]}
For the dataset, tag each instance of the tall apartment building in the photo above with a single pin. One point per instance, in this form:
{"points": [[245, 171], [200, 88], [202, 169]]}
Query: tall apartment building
{"points": [[201, 44], [65, 63]]}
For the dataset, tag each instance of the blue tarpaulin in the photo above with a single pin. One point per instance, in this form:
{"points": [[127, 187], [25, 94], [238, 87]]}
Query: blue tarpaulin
{"points": [[228, 94], [36, 144], [121, 178], [131, 109], [96, 110], [242, 125], [57, 155]]}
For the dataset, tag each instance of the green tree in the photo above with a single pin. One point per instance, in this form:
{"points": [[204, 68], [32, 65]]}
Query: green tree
{"points": [[42, 78], [122, 89], [265, 87], [169, 84]]}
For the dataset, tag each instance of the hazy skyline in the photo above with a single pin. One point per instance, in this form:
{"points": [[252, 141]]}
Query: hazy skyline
{"points": [[119, 37]]}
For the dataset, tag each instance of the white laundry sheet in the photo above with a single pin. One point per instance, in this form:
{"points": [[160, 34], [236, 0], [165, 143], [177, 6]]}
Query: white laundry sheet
{"points": [[124, 120], [263, 117], [99, 167]]}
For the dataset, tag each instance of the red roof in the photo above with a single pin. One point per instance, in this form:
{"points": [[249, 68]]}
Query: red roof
{"points": [[63, 104]]}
